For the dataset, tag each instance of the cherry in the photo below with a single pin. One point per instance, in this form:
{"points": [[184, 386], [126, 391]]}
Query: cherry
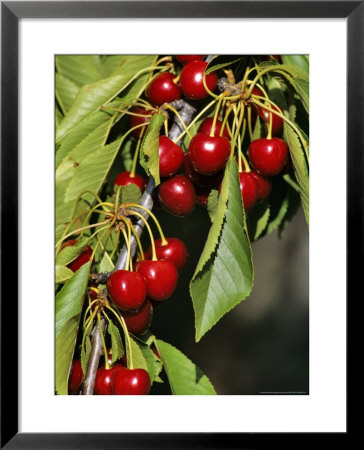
{"points": [[191, 80], [177, 195], [137, 120], [163, 89], [249, 188], [170, 157], [184, 59], [268, 156], [277, 122], [139, 321], [202, 195], [81, 259], [127, 289], [175, 251], [265, 185], [160, 277], [125, 178], [208, 154], [199, 179], [75, 378], [103, 379], [130, 382], [206, 126]]}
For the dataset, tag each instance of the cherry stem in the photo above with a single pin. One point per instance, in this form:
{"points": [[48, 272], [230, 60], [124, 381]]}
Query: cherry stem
{"points": [[166, 127], [154, 255], [121, 320], [116, 246], [259, 75], [107, 366], [250, 123], [98, 241], [127, 243], [168, 106], [87, 324], [82, 229], [270, 123], [88, 310], [212, 132], [152, 215], [238, 125], [136, 238], [224, 123]]}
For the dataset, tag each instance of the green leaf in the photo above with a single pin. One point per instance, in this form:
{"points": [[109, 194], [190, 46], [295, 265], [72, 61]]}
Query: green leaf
{"points": [[212, 203], [184, 377], [69, 303], [129, 193], [63, 274], [81, 69], [149, 150], [106, 265], [301, 61], [300, 166], [68, 254], [257, 131], [116, 343], [221, 61], [257, 219], [139, 361], [85, 351], [91, 172], [224, 274], [150, 359], [302, 89], [66, 91]]}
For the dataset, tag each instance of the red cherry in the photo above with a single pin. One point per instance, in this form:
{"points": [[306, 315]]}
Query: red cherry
{"points": [[138, 120], [125, 178], [175, 251], [268, 156], [163, 89], [208, 154], [81, 259], [130, 382], [277, 122], [265, 185], [191, 80], [139, 321], [103, 379], [177, 195], [249, 188], [127, 289], [160, 277], [170, 157], [184, 59], [75, 378], [199, 179], [206, 126], [202, 195]]}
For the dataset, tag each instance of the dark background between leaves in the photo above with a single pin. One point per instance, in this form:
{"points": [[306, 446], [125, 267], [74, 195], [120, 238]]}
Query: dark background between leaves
{"points": [[262, 344]]}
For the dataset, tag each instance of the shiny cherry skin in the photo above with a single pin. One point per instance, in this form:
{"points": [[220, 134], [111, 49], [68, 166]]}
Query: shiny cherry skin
{"points": [[265, 185], [125, 178], [76, 377], [202, 195], [184, 59], [191, 80], [208, 154], [249, 188], [160, 277], [138, 120], [206, 126], [126, 289], [177, 195], [175, 251], [138, 322], [81, 259], [170, 157], [198, 179], [130, 382], [103, 379], [268, 156], [163, 89]]}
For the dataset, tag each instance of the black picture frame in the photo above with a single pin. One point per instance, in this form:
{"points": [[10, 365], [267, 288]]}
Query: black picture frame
{"points": [[11, 12]]}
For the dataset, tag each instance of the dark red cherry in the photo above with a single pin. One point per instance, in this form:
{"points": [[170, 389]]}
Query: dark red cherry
{"points": [[130, 382], [191, 80], [81, 259], [265, 185], [184, 59], [126, 289], [208, 154], [202, 195], [125, 178], [103, 379], [268, 156], [75, 378], [177, 195], [197, 178], [206, 126], [249, 188], [139, 321], [160, 277], [163, 89], [175, 251], [138, 120], [170, 157]]}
